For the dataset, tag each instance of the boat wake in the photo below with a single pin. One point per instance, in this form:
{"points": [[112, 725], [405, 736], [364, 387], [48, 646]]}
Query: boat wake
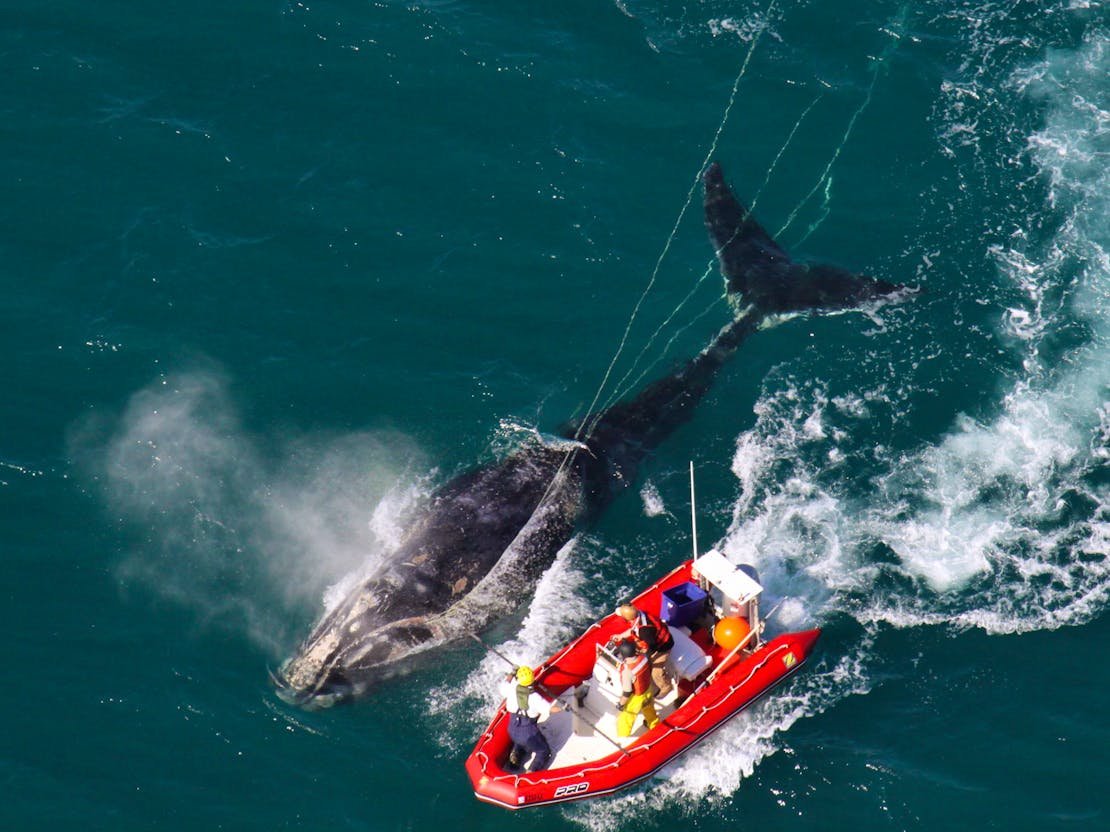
{"points": [[557, 612]]}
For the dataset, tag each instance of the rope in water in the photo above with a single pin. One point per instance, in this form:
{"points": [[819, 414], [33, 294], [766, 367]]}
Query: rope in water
{"points": [[624, 386], [589, 422], [825, 178], [674, 230], [594, 414]]}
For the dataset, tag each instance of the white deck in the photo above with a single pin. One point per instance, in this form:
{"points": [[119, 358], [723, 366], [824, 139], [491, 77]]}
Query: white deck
{"points": [[574, 741], [588, 730]]}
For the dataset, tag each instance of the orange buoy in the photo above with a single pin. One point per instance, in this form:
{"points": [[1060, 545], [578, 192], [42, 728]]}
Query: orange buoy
{"points": [[729, 632]]}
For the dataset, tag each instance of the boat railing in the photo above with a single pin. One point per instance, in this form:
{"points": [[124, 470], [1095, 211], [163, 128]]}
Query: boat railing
{"points": [[705, 711], [731, 655]]}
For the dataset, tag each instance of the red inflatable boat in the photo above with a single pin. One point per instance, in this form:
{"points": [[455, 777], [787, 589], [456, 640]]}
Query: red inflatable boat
{"points": [[719, 661]]}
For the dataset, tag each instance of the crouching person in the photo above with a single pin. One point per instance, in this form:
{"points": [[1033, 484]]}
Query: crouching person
{"points": [[526, 708], [636, 698]]}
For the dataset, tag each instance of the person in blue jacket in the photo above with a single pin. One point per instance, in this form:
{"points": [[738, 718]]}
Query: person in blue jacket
{"points": [[526, 708]]}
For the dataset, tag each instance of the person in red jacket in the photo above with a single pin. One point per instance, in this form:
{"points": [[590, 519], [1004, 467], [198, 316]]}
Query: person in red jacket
{"points": [[654, 639]]}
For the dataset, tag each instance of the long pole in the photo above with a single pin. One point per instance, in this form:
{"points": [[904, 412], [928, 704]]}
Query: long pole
{"points": [[693, 511], [577, 712], [730, 656], [495, 652], [752, 633]]}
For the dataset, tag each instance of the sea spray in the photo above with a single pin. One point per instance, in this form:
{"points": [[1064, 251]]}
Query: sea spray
{"points": [[652, 500], [558, 609], [247, 531], [1020, 500]]}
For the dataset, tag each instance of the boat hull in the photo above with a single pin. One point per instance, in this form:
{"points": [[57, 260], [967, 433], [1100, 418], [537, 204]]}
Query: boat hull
{"points": [[723, 690]]}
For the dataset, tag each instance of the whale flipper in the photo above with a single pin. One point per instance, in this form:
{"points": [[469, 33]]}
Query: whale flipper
{"points": [[762, 273]]}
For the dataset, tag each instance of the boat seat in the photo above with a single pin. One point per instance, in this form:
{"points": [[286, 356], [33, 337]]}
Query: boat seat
{"points": [[607, 676], [686, 660]]}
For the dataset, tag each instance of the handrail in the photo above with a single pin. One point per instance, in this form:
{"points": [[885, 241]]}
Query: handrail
{"points": [[743, 643], [756, 631]]}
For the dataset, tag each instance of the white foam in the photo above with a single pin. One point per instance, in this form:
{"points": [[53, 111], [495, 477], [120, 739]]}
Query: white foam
{"points": [[556, 613], [746, 30], [787, 420], [1003, 519], [998, 488], [653, 500]]}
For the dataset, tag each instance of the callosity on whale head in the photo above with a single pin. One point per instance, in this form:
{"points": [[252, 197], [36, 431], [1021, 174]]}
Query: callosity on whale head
{"points": [[479, 544], [345, 658]]}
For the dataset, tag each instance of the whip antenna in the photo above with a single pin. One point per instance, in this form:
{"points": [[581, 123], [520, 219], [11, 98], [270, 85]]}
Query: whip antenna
{"points": [[693, 511]]}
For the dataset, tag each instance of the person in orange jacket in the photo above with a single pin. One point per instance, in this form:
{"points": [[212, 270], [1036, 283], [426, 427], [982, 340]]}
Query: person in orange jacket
{"points": [[654, 639], [636, 698]]}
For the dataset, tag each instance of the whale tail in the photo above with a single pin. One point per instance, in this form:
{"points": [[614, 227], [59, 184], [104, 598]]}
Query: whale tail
{"points": [[762, 274]]}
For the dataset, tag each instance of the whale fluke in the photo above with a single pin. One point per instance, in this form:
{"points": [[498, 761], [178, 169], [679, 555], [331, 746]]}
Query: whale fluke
{"points": [[763, 274]]}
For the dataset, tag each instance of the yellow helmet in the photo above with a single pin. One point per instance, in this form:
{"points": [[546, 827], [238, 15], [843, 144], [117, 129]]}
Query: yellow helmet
{"points": [[627, 612], [525, 676]]}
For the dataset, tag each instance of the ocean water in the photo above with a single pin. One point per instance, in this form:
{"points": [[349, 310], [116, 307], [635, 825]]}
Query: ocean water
{"points": [[275, 270]]}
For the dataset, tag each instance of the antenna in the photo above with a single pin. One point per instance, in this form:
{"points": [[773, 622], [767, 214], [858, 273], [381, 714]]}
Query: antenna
{"points": [[693, 511]]}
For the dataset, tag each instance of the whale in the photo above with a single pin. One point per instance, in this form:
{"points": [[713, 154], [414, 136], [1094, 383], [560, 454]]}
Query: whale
{"points": [[480, 543]]}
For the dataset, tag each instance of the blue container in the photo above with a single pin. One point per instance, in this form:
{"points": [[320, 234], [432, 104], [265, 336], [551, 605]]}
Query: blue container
{"points": [[682, 604]]}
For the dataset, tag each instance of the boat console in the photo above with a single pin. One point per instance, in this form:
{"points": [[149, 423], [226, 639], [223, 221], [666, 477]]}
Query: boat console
{"points": [[733, 590]]}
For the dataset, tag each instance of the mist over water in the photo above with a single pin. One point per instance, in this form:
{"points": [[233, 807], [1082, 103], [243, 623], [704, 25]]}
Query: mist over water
{"points": [[251, 532]]}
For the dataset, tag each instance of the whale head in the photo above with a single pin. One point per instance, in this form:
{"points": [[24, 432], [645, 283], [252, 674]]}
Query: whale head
{"points": [[353, 648]]}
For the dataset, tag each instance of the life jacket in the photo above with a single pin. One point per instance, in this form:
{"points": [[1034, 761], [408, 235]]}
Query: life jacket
{"points": [[521, 713], [652, 632], [639, 669]]}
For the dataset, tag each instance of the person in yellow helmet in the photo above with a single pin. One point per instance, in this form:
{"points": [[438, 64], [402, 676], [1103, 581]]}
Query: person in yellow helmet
{"points": [[526, 707]]}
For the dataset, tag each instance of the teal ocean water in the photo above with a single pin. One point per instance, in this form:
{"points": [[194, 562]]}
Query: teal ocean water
{"points": [[274, 270]]}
